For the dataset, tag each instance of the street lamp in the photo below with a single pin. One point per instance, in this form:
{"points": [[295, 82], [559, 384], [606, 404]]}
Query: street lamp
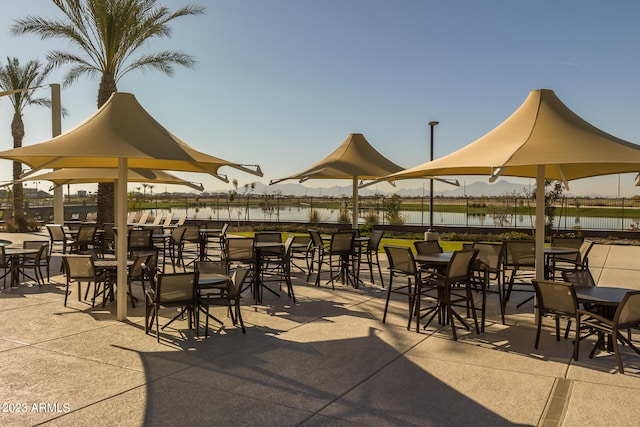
{"points": [[431, 234]]}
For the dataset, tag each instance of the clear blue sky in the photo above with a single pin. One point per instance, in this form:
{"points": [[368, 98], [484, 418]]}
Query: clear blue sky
{"points": [[281, 83]]}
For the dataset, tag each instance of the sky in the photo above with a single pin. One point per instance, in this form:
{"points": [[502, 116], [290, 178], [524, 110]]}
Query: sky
{"points": [[282, 83]]}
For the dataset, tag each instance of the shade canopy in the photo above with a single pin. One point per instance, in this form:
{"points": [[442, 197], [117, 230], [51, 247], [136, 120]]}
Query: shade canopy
{"points": [[121, 128], [542, 131], [122, 135], [542, 139], [86, 176], [354, 159]]}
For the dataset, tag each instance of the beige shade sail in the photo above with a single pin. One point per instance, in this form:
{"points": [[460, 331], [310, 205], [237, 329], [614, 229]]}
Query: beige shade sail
{"points": [[86, 176], [122, 135], [542, 139], [542, 131], [121, 128], [354, 159]]}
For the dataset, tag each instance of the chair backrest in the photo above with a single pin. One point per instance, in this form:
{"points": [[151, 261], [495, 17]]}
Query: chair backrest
{"points": [[168, 219], [342, 241], [585, 248], [137, 270], [181, 220], [108, 233], [191, 233], [86, 234], [42, 247], [239, 249], [268, 236], [176, 288], [374, 240], [56, 232], [151, 254], [288, 243], [238, 278], [461, 265], [79, 267], [489, 254], [140, 239], [131, 216], [557, 297], [157, 219], [177, 234], [427, 247], [519, 253], [316, 238], [628, 312], [401, 259], [212, 267], [567, 242], [578, 277]]}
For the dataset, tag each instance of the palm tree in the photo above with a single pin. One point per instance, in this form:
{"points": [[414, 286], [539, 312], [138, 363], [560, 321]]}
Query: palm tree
{"points": [[108, 34], [14, 76]]}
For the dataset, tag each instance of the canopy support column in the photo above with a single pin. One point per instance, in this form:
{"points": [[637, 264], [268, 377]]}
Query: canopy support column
{"points": [[540, 203], [121, 244]]}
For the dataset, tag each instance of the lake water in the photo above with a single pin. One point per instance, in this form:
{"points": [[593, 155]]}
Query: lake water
{"points": [[301, 214]]}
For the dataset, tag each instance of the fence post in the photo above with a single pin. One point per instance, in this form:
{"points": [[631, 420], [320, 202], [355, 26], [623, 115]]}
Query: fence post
{"points": [[622, 223]]}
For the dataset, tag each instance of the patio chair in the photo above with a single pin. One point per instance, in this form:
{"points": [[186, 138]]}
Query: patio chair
{"points": [[58, 238], [137, 273], [519, 265], [318, 249], [340, 255], [191, 245], [427, 247], [454, 290], [273, 263], [488, 267], [86, 239], [300, 250], [229, 297], [401, 265], [140, 239], [239, 252], [175, 246], [37, 261], [150, 267], [170, 290], [627, 316], [579, 261], [557, 300], [80, 268], [371, 254]]}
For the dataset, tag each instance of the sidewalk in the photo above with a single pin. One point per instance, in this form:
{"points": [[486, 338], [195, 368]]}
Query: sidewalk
{"points": [[326, 360]]}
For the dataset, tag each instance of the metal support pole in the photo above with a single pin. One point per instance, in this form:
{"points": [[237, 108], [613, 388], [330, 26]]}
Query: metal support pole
{"points": [[431, 230]]}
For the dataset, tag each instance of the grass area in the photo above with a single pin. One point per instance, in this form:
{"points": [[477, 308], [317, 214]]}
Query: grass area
{"points": [[447, 246]]}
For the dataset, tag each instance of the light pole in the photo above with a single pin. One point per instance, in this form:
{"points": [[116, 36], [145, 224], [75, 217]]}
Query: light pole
{"points": [[431, 234]]}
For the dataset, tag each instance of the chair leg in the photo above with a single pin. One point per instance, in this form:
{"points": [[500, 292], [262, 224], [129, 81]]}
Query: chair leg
{"points": [[539, 322], [616, 350]]}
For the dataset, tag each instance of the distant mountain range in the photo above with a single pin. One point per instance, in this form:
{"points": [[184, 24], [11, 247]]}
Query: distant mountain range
{"points": [[477, 189]]}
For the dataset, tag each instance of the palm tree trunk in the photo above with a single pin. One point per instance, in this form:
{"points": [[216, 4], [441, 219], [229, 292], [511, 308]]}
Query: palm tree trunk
{"points": [[17, 131], [106, 190]]}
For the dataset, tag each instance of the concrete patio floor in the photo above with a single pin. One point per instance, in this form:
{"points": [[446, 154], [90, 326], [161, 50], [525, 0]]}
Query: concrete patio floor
{"points": [[326, 360]]}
